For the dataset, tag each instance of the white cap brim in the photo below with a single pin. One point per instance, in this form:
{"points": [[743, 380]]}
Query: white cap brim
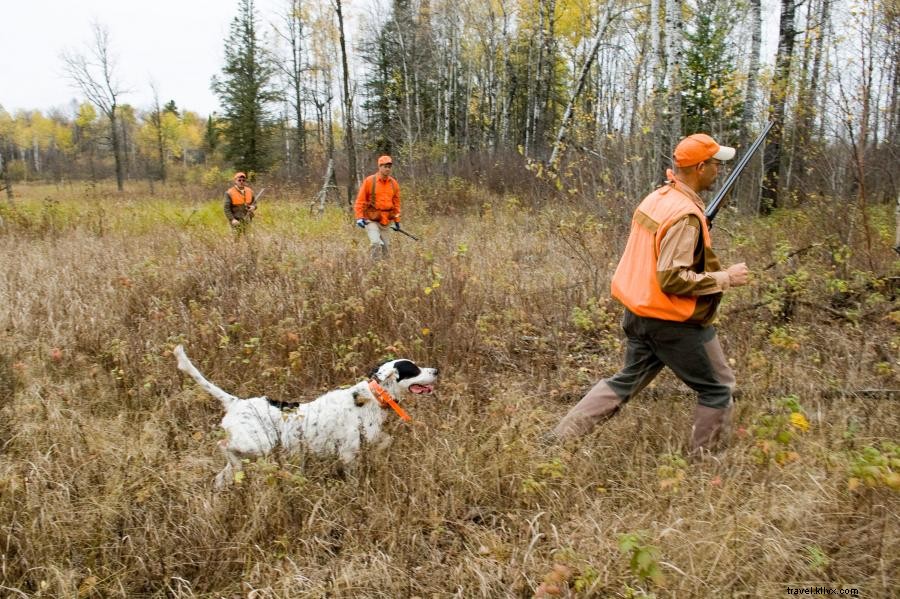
{"points": [[724, 153]]}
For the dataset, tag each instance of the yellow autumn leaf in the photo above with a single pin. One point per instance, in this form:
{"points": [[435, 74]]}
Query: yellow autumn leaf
{"points": [[428, 291], [239, 477], [426, 331], [799, 421]]}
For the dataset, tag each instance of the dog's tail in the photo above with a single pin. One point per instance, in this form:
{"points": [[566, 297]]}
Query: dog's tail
{"points": [[185, 366]]}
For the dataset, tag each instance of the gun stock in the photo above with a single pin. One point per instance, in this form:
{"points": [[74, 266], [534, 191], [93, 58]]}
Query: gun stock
{"points": [[713, 208]]}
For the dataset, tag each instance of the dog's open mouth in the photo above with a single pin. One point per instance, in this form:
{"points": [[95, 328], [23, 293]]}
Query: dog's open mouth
{"points": [[421, 389]]}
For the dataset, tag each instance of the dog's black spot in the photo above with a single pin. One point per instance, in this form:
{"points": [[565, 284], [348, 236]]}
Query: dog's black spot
{"points": [[283, 405], [406, 370]]}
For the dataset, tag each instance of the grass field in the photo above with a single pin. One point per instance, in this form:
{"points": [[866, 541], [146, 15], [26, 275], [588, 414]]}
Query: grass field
{"points": [[107, 453]]}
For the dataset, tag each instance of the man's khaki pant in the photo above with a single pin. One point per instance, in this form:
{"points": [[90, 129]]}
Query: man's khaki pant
{"points": [[378, 239]]}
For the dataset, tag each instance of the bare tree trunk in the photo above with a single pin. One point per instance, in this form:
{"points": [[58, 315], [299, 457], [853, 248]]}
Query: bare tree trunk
{"points": [[752, 70], [327, 185], [407, 101], [556, 154], [297, 67], [674, 27], [896, 225], [778, 99], [97, 80], [657, 73], [352, 175], [156, 119], [4, 172]]}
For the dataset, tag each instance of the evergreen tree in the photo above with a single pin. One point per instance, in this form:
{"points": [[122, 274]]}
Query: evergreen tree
{"points": [[711, 99], [400, 80], [246, 93], [383, 97]]}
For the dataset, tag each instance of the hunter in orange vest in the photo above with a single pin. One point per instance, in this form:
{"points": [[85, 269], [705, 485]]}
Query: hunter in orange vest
{"points": [[378, 206], [240, 203], [671, 283]]}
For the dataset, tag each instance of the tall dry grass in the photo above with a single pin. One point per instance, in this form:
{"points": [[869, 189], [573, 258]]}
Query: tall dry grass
{"points": [[107, 453]]}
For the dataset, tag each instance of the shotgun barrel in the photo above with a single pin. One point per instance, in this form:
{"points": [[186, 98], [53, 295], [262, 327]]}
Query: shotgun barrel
{"points": [[713, 208]]}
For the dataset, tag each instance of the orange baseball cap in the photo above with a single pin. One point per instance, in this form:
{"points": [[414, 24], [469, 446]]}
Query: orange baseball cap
{"points": [[236, 175], [385, 160], [699, 147]]}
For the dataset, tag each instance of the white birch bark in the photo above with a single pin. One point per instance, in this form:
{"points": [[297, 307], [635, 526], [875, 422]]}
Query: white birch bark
{"points": [[674, 28]]}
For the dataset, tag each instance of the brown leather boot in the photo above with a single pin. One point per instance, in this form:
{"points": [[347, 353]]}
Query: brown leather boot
{"points": [[598, 405], [711, 426]]}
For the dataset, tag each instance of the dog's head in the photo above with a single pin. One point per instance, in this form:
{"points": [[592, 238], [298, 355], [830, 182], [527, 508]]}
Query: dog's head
{"points": [[405, 375]]}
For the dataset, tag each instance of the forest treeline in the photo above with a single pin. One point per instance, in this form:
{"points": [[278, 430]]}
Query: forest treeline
{"points": [[589, 96]]}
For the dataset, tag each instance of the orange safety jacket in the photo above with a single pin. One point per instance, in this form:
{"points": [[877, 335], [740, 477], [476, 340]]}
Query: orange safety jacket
{"points": [[378, 200], [238, 198], [635, 283]]}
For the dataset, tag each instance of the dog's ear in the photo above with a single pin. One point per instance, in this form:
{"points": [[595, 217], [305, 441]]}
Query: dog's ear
{"points": [[383, 373], [390, 376]]}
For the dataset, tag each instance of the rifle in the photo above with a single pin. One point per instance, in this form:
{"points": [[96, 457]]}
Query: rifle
{"points": [[716, 202]]}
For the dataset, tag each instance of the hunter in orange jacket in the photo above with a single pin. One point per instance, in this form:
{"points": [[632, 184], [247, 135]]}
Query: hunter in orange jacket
{"points": [[670, 283], [381, 203], [240, 203], [377, 205]]}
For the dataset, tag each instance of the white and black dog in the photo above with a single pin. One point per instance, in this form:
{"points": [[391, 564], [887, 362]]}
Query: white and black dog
{"points": [[337, 423]]}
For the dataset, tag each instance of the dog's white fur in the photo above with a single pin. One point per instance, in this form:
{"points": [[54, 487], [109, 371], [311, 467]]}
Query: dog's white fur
{"points": [[336, 423]]}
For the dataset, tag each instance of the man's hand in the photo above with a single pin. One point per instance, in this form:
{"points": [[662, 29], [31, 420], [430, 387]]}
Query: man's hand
{"points": [[738, 274], [396, 225], [361, 223], [234, 222]]}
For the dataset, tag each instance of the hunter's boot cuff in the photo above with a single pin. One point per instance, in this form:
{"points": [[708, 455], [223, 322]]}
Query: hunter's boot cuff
{"points": [[598, 405], [711, 426]]}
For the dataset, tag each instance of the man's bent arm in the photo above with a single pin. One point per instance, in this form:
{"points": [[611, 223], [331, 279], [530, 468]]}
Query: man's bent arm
{"points": [[677, 257]]}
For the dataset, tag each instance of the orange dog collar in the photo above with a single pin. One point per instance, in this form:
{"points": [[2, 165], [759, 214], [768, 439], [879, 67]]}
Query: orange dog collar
{"points": [[384, 398]]}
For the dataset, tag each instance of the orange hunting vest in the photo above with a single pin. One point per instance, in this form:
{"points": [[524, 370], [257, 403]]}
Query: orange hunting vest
{"points": [[381, 204], [635, 283], [238, 198]]}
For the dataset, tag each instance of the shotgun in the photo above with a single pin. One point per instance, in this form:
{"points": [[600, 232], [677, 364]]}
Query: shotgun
{"points": [[410, 235], [256, 201], [713, 208]]}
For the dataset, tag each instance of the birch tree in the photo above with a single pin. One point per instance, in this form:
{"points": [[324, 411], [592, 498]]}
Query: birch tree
{"points": [[606, 20], [674, 26], [294, 69], [751, 89]]}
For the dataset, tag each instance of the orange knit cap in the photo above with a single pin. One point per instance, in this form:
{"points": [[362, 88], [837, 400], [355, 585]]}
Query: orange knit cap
{"points": [[699, 147]]}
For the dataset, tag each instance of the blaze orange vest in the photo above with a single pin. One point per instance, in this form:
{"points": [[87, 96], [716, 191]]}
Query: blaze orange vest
{"points": [[238, 198], [380, 205], [634, 282]]}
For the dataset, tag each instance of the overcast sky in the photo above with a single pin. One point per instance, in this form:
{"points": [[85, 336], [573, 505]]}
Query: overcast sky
{"points": [[178, 44]]}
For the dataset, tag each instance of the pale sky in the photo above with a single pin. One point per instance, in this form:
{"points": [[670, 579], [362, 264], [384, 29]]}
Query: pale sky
{"points": [[176, 43]]}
